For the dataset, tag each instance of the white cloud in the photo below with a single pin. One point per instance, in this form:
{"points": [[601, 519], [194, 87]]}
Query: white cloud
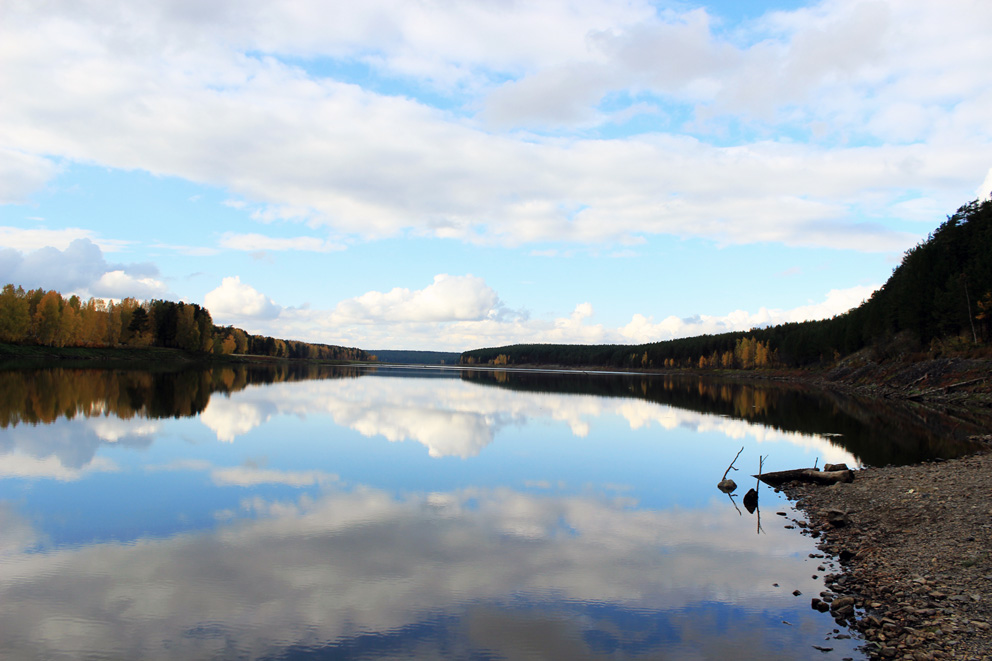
{"points": [[22, 174], [189, 251], [448, 298], [79, 268], [236, 300], [984, 191], [457, 313], [643, 329], [30, 240], [255, 242], [118, 284], [149, 87]]}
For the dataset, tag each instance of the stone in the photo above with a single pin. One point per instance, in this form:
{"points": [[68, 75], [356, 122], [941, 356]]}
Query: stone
{"points": [[842, 602]]}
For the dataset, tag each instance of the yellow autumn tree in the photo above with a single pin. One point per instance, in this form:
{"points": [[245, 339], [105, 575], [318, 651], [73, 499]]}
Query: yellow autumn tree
{"points": [[46, 319]]}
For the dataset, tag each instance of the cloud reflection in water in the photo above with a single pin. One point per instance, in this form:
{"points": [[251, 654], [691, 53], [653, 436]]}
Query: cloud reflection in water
{"points": [[454, 418], [325, 571]]}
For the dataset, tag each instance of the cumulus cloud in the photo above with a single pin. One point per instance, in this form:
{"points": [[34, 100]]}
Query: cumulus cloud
{"points": [[457, 313], [643, 329], [79, 268], [236, 300], [448, 298], [177, 95], [120, 284]]}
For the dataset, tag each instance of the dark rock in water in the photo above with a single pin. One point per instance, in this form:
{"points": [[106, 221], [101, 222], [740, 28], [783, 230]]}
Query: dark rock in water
{"points": [[819, 605], [751, 501], [727, 485], [827, 468]]}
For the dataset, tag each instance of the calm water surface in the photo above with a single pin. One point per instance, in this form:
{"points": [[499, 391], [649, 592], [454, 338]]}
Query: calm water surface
{"points": [[417, 513]]}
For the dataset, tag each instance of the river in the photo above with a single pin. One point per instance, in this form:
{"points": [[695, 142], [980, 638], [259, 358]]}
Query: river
{"points": [[369, 513]]}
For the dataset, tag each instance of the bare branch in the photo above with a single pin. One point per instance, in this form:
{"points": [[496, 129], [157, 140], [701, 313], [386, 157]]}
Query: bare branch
{"points": [[732, 463]]}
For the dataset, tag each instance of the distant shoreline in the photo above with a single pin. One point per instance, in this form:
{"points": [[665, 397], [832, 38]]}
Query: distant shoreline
{"points": [[959, 381], [13, 356]]}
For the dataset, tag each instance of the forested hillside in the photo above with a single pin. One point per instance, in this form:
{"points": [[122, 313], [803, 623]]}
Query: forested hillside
{"points": [[416, 357], [939, 299], [45, 318]]}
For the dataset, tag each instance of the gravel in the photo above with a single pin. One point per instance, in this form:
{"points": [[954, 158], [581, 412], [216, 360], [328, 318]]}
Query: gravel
{"points": [[914, 545]]}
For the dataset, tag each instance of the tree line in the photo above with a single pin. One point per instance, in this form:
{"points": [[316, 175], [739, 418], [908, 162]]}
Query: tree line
{"points": [[938, 300], [46, 318]]}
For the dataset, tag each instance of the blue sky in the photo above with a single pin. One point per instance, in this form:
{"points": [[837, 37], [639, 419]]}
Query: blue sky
{"points": [[429, 175]]}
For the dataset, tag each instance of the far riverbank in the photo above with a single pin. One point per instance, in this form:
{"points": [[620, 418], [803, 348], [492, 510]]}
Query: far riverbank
{"points": [[17, 356]]}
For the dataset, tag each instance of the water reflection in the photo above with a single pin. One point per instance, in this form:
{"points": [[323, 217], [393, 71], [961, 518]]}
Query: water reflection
{"points": [[451, 420], [261, 513], [877, 432], [483, 571], [368, 513], [45, 395]]}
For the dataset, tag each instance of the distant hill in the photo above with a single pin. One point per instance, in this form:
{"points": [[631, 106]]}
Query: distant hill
{"points": [[938, 300], [416, 357]]}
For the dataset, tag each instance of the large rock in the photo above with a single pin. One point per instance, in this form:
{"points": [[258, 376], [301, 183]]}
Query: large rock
{"points": [[727, 485]]}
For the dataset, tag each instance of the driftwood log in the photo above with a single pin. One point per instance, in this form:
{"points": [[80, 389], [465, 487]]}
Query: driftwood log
{"points": [[813, 475]]}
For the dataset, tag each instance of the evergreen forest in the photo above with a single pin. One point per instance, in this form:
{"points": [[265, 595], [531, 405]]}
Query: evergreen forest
{"points": [[937, 301]]}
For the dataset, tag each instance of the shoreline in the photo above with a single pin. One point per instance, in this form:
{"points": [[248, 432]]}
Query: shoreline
{"points": [[954, 381], [914, 544], [15, 356]]}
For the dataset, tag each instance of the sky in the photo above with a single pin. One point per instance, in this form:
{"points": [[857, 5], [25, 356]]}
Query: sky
{"points": [[427, 174]]}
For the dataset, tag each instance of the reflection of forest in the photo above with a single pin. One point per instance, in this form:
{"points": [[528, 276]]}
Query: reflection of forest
{"points": [[876, 431], [44, 395]]}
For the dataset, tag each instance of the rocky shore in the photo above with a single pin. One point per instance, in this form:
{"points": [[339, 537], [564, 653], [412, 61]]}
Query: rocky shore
{"points": [[915, 547]]}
